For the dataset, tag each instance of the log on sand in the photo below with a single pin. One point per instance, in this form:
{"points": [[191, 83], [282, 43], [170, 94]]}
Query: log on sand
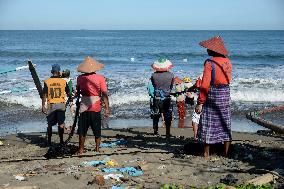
{"points": [[20, 187], [264, 179], [254, 117]]}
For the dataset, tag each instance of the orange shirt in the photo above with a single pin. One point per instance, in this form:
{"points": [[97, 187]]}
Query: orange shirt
{"points": [[224, 65]]}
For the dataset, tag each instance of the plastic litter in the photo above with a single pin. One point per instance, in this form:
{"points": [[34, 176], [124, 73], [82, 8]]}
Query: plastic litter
{"points": [[98, 179], [111, 163], [1, 143], [134, 160], [20, 177], [93, 163], [113, 144], [113, 176], [162, 167], [129, 170], [117, 187]]}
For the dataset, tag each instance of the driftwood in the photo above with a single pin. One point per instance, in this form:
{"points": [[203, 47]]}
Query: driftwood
{"points": [[254, 117], [264, 179], [20, 187]]}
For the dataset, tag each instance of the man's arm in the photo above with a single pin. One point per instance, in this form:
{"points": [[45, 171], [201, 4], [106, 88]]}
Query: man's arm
{"points": [[106, 102]]}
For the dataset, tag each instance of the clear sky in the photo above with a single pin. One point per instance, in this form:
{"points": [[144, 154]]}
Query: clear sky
{"points": [[142, 14]]}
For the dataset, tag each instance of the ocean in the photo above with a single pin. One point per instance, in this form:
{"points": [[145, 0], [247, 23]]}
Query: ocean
{"points": [[257, 58]]}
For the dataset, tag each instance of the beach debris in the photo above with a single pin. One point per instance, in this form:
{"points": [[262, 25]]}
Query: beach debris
{"points": [[116, 177], [20, 177], [162, 167], [107, 161], [98, 179], [264, 179], [93, 163], [117, 187], [77, 176], [111, 163], [21, 187], [134, 160], [113, 143], [73, 169], [1, 143], [162, 159], [229, 180], [132, 171], [213, 159], [171, 186], [143, 166]]}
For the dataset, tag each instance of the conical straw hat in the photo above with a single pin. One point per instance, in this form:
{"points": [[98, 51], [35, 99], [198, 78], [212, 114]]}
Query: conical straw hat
{"points": [[89, 65], [215, 44]]}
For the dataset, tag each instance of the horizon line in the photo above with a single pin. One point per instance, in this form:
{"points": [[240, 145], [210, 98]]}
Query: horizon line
{"points": [[141, 29]]}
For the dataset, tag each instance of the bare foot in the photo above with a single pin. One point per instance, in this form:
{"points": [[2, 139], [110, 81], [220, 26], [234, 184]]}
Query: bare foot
{"points": [[79, 153], [206, 156]]}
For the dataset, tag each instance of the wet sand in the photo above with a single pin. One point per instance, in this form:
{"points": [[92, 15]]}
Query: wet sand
{"points": [[177, 161]]}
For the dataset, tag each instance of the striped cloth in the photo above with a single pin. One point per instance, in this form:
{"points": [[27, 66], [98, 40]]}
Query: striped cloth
{"points": [[215, 121]]}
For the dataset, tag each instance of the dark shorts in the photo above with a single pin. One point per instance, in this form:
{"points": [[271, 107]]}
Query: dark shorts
{"points": [[162, 106], [189, 101], [92, 119], [56, 117]]}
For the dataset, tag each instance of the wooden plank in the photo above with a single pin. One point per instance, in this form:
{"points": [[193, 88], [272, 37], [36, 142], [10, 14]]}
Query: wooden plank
{"points": [[35, 78], [264, 179]]}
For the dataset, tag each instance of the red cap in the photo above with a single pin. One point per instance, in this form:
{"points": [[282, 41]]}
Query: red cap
{"points": [[215, 44]]}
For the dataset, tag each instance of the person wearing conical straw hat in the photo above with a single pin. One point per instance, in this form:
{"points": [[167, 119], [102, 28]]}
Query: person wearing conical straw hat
{"points": [[214, 98], [92, 87], [162, 81]]}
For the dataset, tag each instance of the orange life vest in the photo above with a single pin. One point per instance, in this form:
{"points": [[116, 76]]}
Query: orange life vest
{"points": [[56, 90]]}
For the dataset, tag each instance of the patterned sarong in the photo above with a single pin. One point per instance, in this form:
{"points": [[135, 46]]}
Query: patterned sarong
{"points": [[215, 121]]}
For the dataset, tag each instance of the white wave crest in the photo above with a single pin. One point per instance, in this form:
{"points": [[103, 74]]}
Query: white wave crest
{"points": [[119, 98], [258, 95], [258, 81], [30, 100]]}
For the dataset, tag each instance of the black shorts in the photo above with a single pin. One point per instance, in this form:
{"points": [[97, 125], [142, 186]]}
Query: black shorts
{"points": [[92, 119], [56, 117], [162, 106], [189, 101]]}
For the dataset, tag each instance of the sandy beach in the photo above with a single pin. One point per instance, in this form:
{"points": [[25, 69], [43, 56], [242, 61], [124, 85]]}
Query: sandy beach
{"points": [[175, 162]]}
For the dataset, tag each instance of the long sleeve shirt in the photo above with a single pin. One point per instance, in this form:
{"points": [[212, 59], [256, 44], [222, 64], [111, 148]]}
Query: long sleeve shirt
{"points": [[223, 76]]}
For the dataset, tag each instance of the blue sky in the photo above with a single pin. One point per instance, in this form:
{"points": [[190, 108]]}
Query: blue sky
{"points": [[142, 14]]}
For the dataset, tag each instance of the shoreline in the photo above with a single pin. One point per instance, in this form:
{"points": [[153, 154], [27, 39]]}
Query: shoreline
{"points": [[178, 162], [239, 124]]}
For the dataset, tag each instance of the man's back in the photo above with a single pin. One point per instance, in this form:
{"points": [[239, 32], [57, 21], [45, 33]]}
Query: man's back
{"points": [[91, 84], [163, 81]]}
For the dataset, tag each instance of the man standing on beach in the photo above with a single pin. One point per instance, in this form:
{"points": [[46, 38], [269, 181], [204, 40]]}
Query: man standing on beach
{"points": [[54, 94], [162, 81], [92, 87]]}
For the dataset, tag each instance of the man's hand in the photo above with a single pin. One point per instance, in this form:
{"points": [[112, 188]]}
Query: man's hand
{"points": [[107, 113], [43, 109], [198, 108]]}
